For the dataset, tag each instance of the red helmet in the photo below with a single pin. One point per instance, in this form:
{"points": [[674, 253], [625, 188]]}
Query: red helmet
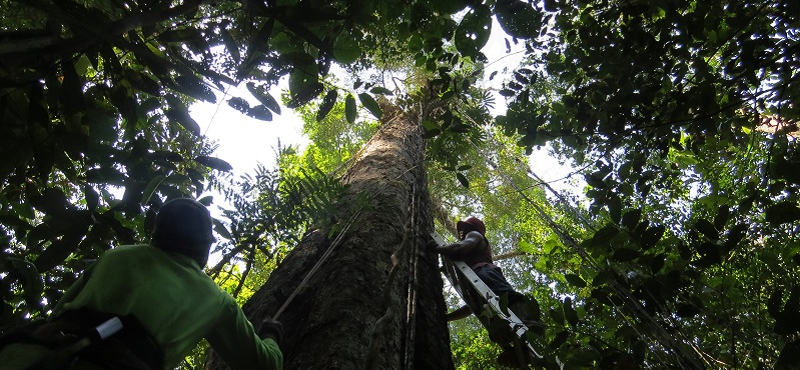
{"points": [[472, 223]]}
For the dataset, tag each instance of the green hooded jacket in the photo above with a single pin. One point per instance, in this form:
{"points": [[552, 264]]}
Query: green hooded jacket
{"points": [[176, 302]]}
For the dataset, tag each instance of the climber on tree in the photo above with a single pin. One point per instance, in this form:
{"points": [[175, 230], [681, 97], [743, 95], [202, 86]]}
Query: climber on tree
{"points": [[165, 301], [474, 250]]}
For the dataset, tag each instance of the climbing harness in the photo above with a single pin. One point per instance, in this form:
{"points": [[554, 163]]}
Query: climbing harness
{"points": [[63, 355], [480, 298]]}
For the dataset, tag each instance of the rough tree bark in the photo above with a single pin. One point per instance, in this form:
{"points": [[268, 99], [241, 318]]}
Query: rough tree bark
{"points": [[376, 302]]}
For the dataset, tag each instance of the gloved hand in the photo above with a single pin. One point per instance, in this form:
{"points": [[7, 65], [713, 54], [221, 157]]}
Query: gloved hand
{"points": [[271, 329]]}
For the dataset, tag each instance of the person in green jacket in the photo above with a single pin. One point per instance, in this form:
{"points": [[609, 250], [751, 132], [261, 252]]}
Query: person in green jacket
{"points": [[168, 304]]}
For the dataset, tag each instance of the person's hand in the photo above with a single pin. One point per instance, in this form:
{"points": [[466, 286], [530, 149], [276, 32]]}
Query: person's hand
{"points": [[271, 329], [431, 245]]}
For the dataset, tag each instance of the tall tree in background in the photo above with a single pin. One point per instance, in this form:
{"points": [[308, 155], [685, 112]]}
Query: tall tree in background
{"points": [[683, 115], [364, 293], [92, 109]]}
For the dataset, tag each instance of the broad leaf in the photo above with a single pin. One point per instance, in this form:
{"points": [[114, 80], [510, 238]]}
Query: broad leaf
{"points": [[346, 49], [518, 18], [215, 163], [327, 104], [350, 108], [575, 280], [474, 30], [263, 96], [370, 104]]}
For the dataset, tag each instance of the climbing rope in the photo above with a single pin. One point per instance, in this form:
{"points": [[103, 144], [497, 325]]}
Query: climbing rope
{"points": [[411, 285], [317, 265], [409, 237]]}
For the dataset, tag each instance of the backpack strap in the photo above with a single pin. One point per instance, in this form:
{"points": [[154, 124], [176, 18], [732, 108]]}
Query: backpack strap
{"points": [[132, 348]]}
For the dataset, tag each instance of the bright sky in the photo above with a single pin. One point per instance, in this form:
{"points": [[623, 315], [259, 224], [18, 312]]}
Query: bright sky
{"points": [[244, 142]]}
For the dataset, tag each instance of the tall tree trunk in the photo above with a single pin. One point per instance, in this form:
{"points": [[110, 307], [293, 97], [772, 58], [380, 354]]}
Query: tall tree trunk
{"points": [[376, 301]]}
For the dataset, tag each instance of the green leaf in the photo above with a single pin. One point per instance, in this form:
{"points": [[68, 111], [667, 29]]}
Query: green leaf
{"points": [[33, 282], [214, 163], [603, 236], [177, 112], [350, 108], [346, 49], [183, 118], [569, 312], [658, 263], [462, 179], [327, 104], [559, 339], [625, 255], [71, 92], [380, 90], [507, 93], [230, 44], [263, 96], [92, 198], [370, 104], [474, 30], [447, 6], [631, 218], [178, 35], [151, 187], [60, 249], [783, 213], [194, 87], [735, 235], [143, 82], [518, 18], [615, 208], [431, 133], [723, 214], [239, 104], [260, 112], [575, 280], [526, 247], [706, 228], [206, 200], [220, 228], [596, 180], [651, 236], [789, 357]]}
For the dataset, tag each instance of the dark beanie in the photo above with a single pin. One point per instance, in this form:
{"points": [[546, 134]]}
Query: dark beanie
{"points": [[183, 225]]}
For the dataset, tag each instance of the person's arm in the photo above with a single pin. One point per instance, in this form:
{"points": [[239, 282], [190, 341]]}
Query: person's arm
{"points": [[460, 313], [236, 341], [72, 292], [472, 240]]}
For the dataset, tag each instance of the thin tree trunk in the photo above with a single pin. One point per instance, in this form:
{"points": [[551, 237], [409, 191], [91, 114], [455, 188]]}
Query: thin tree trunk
{"points": [[376, 302]]}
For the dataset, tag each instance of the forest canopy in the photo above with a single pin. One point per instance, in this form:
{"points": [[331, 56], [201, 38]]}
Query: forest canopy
{"points": [[681, 116]]}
